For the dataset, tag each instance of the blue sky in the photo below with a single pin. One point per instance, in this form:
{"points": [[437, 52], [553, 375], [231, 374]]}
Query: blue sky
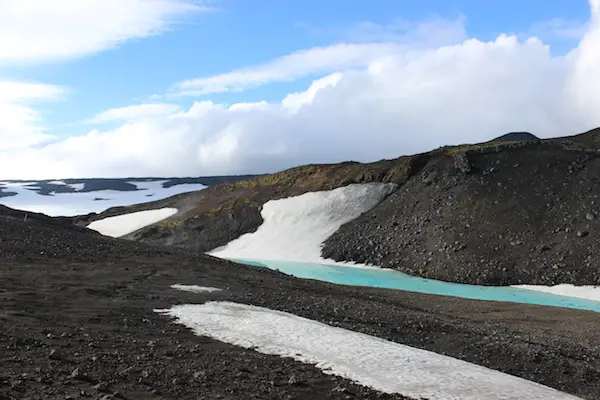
{"points": [[241, 33], [130, 63]]}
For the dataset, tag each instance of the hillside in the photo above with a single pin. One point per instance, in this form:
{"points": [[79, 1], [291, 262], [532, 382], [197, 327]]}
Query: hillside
{"points": [[513, 212], [518, 214], [212, 217], [31, 235]]}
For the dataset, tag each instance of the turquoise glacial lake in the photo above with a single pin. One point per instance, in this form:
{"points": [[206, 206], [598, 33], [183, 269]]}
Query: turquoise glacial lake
{"points": [[383, 278]]}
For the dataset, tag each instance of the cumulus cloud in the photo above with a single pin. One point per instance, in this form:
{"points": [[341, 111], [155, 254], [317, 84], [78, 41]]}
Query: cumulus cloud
{"points": [[583, 89], [37, 31], [34, 32], [403, 100], [135, 112], [19, 124], [295, 101], [595, 8]]}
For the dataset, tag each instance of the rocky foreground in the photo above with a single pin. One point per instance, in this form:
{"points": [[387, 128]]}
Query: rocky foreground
{"points": [[77, 322]]}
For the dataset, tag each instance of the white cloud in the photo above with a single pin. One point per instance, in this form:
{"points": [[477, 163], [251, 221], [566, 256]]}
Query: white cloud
{"points": [[35, 31], [559, 28], [20, 122], [431, 32], [399, 36], [595, 9], [318, 60], [583, 89], [135, 112], [248, 106], [24, 91], [404, 101], [295, 101]]}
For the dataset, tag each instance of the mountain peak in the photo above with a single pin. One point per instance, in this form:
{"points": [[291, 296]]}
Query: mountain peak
{"points": [[516, 137]]}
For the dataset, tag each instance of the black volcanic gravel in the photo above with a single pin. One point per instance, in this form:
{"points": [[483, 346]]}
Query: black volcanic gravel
{"points": [[77, 322]]}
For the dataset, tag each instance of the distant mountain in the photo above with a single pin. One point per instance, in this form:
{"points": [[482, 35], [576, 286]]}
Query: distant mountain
{"points": [[82, 196], [46, 186], [516, 137]]}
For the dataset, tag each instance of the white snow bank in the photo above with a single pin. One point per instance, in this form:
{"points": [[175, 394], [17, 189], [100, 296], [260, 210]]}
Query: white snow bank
{"points": [[123, 224], [148, 185], [295, 227], [195, 288], [77, 186], [381, 364], [581, 292]]}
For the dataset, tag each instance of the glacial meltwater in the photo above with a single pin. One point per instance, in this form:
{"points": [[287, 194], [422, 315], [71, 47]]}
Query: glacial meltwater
{"points": [[385, 278]]}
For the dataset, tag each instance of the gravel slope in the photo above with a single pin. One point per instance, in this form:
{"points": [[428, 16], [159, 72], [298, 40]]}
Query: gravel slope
{"points": [[527, 215], [77, 320]]}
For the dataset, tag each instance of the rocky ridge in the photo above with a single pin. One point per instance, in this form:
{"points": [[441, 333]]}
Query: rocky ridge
{"points": [[525, 214], [494, 213]]}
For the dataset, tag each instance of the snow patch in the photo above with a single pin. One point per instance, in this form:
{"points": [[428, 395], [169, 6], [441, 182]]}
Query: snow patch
{"points": [[81, 203], [580, 292], [76, 186], [383, 365], [195, 288], [295, 227], [123, 224]]}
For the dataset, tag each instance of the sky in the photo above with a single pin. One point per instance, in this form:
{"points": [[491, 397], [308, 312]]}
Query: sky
{"points": [[121, 88]]}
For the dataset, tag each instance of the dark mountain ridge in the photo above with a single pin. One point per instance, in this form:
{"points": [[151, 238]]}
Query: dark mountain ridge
{"points": [[516, 137], [49, 186]]}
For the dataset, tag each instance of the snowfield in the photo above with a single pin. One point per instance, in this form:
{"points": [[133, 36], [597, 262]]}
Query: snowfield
{"points": [[81, 203], [195, 288], [581, 292], [294, 227], [370, 361], [121, 225]]}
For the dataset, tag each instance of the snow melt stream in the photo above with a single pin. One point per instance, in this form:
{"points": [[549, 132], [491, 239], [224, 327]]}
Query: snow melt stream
{"points": [[370, 361], [294, 229]]}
